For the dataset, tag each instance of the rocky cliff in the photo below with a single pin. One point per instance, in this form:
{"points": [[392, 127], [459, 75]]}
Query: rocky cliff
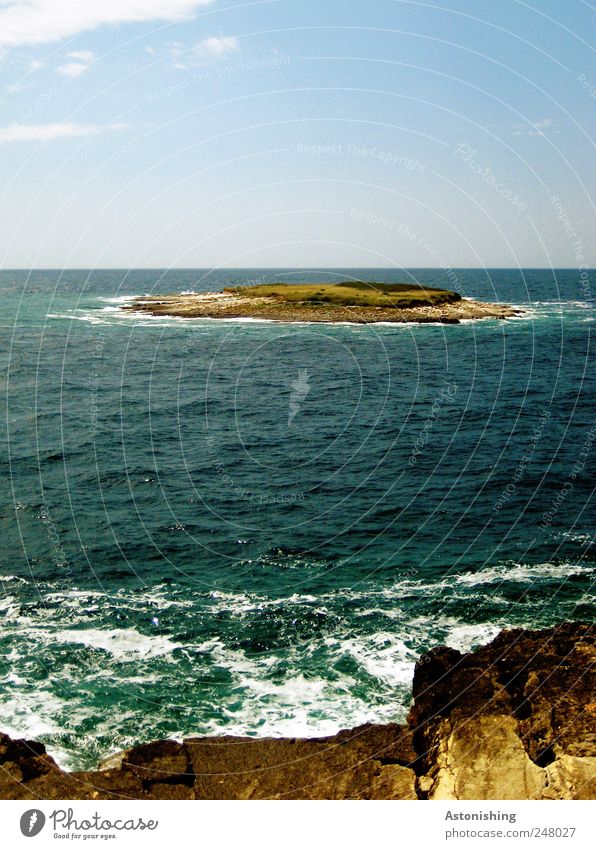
{"points": [[515, 719]]}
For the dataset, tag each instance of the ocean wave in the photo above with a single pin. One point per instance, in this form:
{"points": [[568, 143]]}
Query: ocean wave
{"points": [[384, 656], [172, 596], [120, 299], [524, 572], [233, 662], [314, 688], [122, 644], [572, 303], [115, 316]]}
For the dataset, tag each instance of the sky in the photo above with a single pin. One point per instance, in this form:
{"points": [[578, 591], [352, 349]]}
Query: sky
{"points": [[294, 133]]}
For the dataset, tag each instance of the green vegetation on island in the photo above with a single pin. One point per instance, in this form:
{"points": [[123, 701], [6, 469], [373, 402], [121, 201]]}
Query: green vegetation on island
{"points": [[354, 293]]}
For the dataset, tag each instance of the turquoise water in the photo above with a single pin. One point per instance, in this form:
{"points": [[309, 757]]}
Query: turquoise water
{"points": [[255, 528]]}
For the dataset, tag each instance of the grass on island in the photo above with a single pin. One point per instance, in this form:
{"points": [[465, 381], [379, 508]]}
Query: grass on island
{"points": [[350, 293]]}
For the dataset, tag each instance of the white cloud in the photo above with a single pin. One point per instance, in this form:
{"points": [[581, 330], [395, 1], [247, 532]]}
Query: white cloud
{"points": [[43, 21], [82, 56], [209, 48], [218, 46], [175, 48], [72, 69], [49, 132], [530, 128]]}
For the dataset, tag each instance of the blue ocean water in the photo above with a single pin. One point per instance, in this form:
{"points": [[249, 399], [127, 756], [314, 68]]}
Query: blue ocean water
{"points": [[256, 528]]}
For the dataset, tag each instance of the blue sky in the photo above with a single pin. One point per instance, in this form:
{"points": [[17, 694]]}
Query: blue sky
{"points": [[164, 133]]}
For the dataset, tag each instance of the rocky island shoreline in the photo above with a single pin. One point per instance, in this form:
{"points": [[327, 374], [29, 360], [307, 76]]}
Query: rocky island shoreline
{"points": [[353, 301], [515, 719]]}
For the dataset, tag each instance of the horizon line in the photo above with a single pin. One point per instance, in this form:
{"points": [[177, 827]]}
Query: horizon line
{"points": [[302, 268]]}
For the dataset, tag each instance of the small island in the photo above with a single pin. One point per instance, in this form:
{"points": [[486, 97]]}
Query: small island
{"points": [[354, 301]]}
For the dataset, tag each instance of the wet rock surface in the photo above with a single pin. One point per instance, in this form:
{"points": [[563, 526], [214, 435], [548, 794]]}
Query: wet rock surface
{"points": [[515, 719]]}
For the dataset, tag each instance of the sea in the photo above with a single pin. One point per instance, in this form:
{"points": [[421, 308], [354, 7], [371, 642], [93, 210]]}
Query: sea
{"points": [[256, 528]]}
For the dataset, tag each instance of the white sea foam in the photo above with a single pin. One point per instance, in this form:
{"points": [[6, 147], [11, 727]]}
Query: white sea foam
{"points": [[298, 705], [383, 656], [110, 316], [123, 644], [301, 708], [31, 713], [523, 572], [120, 299], [562, 304], [465, 637]]}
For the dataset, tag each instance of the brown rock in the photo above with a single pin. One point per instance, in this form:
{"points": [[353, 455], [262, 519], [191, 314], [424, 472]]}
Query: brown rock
{"points": [[486, 760], [571, 778], [159, 762], [361, 763], [544, 679]]}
